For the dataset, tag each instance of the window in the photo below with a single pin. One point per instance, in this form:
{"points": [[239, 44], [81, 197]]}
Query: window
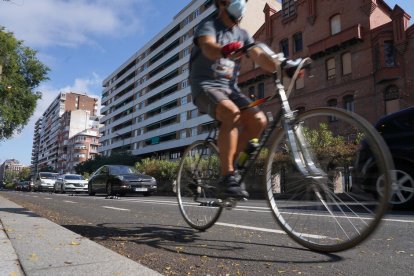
{"points": [[186, 21], [288, 8], [346, 64], [330, 68], [389, 55], [193, 113], [252, 93], [391, 98], [194, 131], [183, 134], [260, 90], [186, 52], [184, 83], [284, 47], [183, 117], [297, 42], [349, 103], [332, 103], [196, 13], [183, 100], [335, 24]]}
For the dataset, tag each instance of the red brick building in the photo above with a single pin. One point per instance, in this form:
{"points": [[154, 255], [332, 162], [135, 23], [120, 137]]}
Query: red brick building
{"points": [[363, 54]]}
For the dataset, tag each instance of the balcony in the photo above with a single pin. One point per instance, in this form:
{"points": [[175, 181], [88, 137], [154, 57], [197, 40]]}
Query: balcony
{"points": [[335, 42], [386, 74]]}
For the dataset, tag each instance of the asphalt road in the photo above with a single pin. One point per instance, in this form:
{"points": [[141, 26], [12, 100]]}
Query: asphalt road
{"points": [[245, 240]]}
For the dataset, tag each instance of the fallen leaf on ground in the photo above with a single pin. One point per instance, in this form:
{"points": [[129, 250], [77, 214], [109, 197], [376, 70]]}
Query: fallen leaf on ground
{"points": [[74, 243]]}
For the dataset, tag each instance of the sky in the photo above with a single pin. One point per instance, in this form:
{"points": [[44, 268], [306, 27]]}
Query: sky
{"points": [[83, 41]]}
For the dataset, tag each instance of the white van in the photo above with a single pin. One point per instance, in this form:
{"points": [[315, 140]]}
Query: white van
{"points": [[45, 181]]}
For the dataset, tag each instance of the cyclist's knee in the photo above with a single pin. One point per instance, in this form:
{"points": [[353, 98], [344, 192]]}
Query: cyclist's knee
{"points": [[228, 113]]}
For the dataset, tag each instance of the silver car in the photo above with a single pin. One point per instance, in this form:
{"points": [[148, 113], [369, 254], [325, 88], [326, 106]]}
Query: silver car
{"points": [[71, 183]]}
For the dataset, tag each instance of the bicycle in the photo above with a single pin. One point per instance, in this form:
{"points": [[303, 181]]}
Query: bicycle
{"points": [[319, 188]]}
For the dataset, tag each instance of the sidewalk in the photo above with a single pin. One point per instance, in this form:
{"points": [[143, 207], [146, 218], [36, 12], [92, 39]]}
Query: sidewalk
{"points": [[32, 245]]}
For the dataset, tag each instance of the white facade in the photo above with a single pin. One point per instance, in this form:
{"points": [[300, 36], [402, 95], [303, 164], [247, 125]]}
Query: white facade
{"points": [[147, 103]]}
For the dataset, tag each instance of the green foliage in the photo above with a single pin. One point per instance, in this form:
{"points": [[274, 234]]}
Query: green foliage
{"points": [[328, 146], [162, 170], [119, 158], [22, 72], [24, 174], [10, 177]]}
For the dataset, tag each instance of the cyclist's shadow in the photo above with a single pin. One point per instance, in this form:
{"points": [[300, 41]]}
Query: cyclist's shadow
{"points": [[189, 242]]}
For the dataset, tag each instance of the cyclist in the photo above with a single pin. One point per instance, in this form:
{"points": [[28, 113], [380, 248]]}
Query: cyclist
{"points": [[214, 68]]}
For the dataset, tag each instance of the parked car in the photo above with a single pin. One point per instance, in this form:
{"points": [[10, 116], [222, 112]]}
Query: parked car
{"points": [[45, 181], [70, 183], [23, 186], [397, 129], [120, 179]]}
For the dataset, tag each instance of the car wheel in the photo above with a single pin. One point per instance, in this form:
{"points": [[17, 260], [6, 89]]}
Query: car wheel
{"points": [[62, 189], [54, 190], [122, 194], [402, 192], [90, 191], [109, 191], [147, 193]]}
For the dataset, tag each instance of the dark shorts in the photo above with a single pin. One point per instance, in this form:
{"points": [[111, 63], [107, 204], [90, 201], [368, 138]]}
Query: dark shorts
{"points": [[208, 100]]}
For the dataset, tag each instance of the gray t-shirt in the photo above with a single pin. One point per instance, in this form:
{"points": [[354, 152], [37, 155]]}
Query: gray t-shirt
{"points": [[206, 73]]}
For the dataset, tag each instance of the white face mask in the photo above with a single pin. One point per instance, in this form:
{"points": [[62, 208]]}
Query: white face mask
{"points": [[236, 9]]}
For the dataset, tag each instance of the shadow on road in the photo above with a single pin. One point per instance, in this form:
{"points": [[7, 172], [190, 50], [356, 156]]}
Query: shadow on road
{"points": [[189, 242]]}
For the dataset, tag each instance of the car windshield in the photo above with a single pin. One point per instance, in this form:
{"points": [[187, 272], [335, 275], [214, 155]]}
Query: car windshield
{"points": [[74, 177], [48, 175], [123, 170]]}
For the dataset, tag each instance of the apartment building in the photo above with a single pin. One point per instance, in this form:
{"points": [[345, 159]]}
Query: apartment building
{"points": [[362, 51], [78, 139], [146, 103], [45, 151]]}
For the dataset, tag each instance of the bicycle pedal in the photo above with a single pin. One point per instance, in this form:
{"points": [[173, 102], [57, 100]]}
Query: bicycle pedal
{"points": [[229, 203]]}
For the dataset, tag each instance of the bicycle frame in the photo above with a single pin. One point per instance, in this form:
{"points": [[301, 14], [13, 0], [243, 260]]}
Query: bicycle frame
{"points": [[297, 144]]}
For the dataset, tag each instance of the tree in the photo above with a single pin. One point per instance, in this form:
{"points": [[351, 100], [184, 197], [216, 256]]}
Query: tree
{"points": [[24, 174], [20, 73]]}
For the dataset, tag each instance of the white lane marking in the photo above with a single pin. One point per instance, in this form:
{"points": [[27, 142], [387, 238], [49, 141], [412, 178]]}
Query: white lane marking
{"points": [[269, 230], [47, 198], [68, 201], [246, 208], [114, 208]]}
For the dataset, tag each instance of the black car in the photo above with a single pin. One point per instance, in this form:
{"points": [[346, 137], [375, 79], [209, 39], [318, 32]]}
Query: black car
{"points": [[397, 129], [120, 179], [23, 186]]}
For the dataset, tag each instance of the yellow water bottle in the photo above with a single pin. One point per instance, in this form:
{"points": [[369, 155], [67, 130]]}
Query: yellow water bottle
{"points": [[244, 155]]}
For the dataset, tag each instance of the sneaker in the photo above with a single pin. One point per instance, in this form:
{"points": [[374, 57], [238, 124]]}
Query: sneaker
{"points": [[232, 186]]}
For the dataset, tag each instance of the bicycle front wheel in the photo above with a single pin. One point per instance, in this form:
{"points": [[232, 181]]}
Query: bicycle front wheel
{"points": [[336, 198], [198, 174]]}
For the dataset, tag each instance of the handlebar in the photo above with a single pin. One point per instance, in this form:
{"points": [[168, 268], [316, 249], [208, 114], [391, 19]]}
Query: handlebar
{"points": [[283, 62]]}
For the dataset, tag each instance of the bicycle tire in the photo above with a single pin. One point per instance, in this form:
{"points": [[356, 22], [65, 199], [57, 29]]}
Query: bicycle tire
{"points": [[342, 208], [198, 174]]}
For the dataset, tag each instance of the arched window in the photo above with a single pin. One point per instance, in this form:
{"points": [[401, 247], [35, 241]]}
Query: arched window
{"points": [[335, 24], [349, 103], [346, 64], [391, 98]]}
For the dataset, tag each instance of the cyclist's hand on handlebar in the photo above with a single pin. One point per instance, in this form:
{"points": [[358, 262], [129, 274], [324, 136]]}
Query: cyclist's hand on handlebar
{"points": [[231, 48], [290, 67]]}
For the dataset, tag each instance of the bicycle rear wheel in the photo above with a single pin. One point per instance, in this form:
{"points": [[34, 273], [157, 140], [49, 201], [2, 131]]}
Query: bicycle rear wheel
{"points": [[198, 174], [342, 204]]}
